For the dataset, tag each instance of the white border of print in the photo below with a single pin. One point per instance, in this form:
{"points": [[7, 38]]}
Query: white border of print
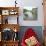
{"points": [[38, 22]]}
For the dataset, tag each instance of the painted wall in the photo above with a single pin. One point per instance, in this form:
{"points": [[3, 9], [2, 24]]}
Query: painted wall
{"points": [[26, 3]]}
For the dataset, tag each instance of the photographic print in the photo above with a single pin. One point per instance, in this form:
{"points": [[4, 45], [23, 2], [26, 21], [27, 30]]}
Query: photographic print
{"points": [[5, 12], [30, 13]]}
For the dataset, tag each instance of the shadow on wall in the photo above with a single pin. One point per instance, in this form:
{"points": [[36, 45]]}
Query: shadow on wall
{"points": [[37, 29]]}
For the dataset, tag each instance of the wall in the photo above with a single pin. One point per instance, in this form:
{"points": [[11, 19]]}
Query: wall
{"points": [[26, 3]]}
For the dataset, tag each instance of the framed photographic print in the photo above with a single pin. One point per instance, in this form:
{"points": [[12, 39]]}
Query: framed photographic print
{"points": [[30, 13], [5, 12], [13, 12]]}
